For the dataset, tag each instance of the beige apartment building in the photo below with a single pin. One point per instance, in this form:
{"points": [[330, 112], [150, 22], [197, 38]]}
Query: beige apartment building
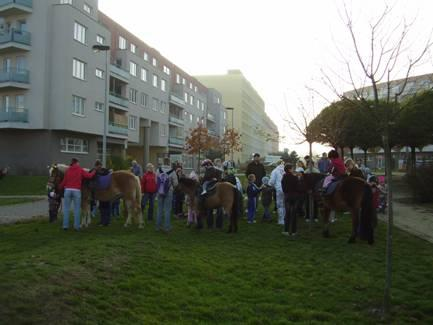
{"points": [[248, 115]]}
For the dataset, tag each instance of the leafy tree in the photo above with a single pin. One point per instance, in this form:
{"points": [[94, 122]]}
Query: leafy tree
{"points": [[199, 141], [230, 142]]}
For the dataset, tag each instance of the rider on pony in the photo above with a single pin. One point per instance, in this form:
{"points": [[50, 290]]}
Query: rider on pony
{"points": [[211, 174], [337, 170]]}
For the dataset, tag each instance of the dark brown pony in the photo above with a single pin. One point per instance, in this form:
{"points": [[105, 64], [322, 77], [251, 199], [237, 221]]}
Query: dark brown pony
{"points": [[352, 194], [226, 196], [123, 184]]}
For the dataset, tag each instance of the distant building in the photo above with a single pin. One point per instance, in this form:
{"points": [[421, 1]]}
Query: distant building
{"points": [[248, 111]]}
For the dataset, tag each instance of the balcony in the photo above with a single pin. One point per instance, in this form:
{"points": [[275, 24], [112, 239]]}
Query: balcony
{"points": [[119, 73], [119, 101], [210, 117], [116, 128], [15, 78], [175, 121], [175, 141], [15, 40], [12, 114], [212, 132], [177, 100], [15, 7]]}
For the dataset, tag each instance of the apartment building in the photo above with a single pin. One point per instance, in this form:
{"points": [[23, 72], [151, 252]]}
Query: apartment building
{"points": [[53, 89], [248, 113]]}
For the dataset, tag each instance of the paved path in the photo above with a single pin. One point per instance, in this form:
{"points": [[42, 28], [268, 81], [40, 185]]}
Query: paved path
{"points": [[22, 212]]}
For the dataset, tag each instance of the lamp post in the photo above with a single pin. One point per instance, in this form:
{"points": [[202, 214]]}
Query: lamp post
{"points": [[233, 110], [106, 49]]}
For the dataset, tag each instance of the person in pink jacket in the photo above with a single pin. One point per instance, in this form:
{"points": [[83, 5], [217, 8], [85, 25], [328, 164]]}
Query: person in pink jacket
{"points": [[71, 184]]}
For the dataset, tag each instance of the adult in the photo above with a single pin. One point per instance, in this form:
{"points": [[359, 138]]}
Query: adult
{"points": [[148, 189], [352, 169], [71, 184], [257, 169], [165, 199], [324, 163], [136, 169], [275, 181], [179, 196], [311, 169], [290, 185]]}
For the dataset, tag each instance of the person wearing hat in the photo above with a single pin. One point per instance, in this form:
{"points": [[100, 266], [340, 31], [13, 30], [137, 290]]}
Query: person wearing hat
{"points": [[71, 184]]}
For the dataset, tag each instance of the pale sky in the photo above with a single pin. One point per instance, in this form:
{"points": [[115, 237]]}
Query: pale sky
{"points": [[280, 45]]}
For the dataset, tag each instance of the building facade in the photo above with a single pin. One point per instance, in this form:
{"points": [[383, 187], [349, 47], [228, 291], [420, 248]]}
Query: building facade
{"points": [[247, 114], [53, 89]]}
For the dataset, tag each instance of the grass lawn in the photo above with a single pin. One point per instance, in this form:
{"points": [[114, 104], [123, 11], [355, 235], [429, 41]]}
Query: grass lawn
{"points": [[13, 201], [23, 185], [130, 276]]}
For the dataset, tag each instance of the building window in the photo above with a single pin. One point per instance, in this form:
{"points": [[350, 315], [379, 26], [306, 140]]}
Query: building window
{"points": [[74, 145], [198, 103], [190, 118], [155, 80], [65, 2], [133, 48], [99, 106], [99, 73], [19, 101], [183, 81], [190, 85], [133, 68], [143, 74], [87, 8], [191, 100], [218, 100], [132, 122], [154, 62], [166, 70], [100, 39], [143, 100], [195, 88], [133, 95], [122, 43], [186, 97], [178, 79], [145, 56], [79, 33], [163, 85], [162, 107], [78, 69], [78, 105], [163, 130], [155, 104]]}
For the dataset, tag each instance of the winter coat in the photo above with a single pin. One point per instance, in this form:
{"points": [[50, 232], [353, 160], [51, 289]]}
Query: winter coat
{"points": [[74, 176], [252, 190], [337, 168], [148, 183], [277, 177], [258, 170], [290, 185]]}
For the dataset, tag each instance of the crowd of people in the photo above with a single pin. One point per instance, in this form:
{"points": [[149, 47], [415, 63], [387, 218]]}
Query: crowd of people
{"points": [[285, 187]]}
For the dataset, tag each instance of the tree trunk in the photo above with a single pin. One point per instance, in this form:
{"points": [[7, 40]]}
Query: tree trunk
{"points": [[310, 193], [351, 153], [388, 177], [342, 152], [412, 168], [365, 157]]}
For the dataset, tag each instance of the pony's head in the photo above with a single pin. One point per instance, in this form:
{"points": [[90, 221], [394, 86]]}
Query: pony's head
{"points": [[56, 172]]}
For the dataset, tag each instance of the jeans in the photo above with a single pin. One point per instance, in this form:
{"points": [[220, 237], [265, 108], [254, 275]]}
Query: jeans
{"points": [[151, 198], [115, 208], [290, 219], [252, 204], [164, 205], [281, 207], [74, 196], [267, 213]]}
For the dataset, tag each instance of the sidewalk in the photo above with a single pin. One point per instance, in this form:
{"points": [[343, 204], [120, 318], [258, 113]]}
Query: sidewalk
{"points": [[23, 212]]}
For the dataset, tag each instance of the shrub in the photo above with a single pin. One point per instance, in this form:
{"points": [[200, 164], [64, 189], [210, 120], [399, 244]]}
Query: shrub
{"points": [[421, 183], [119, 163]]}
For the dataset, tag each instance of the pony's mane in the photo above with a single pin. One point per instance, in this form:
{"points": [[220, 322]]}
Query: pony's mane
{"points": [[189, 182]]}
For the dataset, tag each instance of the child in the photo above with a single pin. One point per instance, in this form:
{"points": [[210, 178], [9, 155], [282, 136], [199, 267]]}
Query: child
{"points": [[267, 192], [336, 169], [54, 202], [252, 193]]}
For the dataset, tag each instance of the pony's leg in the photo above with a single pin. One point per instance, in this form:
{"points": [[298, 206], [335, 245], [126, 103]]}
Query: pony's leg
{"points": [[326, 212], [128, 209], [355, 225]]}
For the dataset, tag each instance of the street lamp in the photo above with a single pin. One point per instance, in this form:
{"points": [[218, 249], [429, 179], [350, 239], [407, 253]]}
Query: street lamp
{"points": [[233, 110], [104, 48]]}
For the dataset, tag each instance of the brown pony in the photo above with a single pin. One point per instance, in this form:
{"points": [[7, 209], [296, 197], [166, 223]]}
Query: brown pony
{"points": [[225, 196], [352, 194], [123, 185]]}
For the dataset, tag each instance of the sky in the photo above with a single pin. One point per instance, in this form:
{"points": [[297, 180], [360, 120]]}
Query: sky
{"points": [[283, 47]]}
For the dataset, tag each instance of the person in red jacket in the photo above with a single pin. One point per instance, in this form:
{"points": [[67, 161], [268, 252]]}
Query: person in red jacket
{"points": [[148, 188], [337, 169], [71, 183]]}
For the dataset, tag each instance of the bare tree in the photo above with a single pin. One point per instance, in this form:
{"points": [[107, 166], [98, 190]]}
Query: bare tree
{"points": [[386, 55]]}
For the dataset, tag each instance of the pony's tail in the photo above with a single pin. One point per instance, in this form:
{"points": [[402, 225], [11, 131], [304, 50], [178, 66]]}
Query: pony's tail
{"points": [[367, 215], [138, 195]]}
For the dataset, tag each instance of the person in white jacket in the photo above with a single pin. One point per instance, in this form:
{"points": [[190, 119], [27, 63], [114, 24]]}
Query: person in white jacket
{"points": [[275, 181]]}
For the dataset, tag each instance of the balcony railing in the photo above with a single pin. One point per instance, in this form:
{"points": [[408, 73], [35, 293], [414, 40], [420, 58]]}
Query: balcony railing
{"points": [[15, 36], [210, 117], [176, 141], [119, 100], [12, 114], [117, 128], [119, 72], [176, 120], [15, 75]]}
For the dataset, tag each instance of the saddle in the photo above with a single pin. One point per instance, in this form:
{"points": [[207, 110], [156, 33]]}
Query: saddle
{"points": [[103, 182], [331, 187], [210, 189]]}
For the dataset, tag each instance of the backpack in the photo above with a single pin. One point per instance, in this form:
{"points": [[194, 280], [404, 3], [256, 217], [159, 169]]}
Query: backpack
{"points": [[163, 182]]}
